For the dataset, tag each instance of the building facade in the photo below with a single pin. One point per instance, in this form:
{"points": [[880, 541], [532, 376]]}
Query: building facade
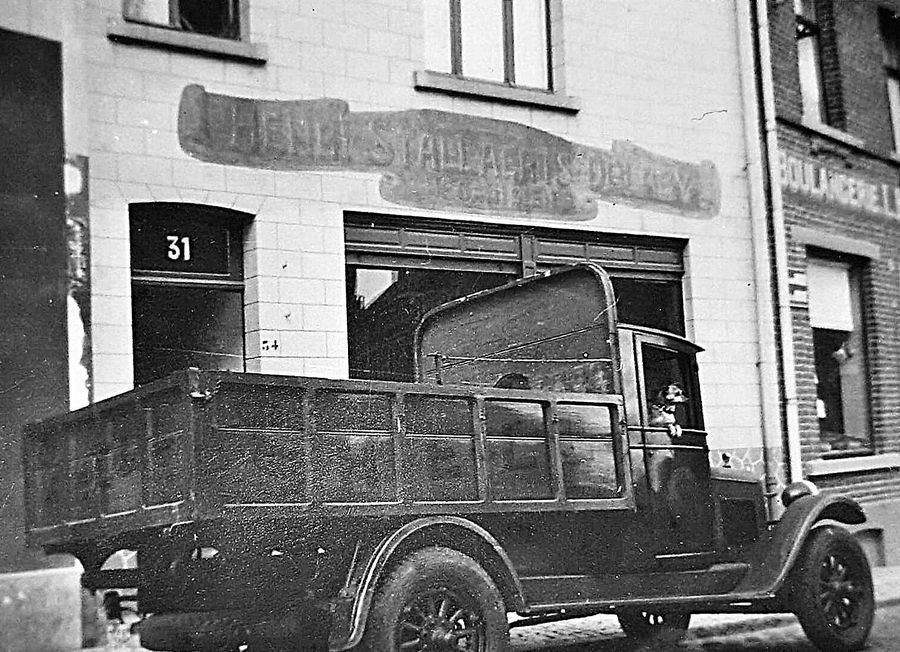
{"points": [[286, 187], [837, 119]]}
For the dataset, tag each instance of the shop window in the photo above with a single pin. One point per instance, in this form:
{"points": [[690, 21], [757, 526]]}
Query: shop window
{"points": [[648, 302], [809, 59], [495, 40], [218, 18], [836, 318], [384, 306], [890, 34], [187, 289], [397, 272]]}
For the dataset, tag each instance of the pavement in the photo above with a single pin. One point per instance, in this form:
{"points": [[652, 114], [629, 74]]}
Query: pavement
{"points": [[597, 629]]}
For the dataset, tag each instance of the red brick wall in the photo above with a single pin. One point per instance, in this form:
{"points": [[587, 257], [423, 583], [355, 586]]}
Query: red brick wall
{"points": [[856, 102]]}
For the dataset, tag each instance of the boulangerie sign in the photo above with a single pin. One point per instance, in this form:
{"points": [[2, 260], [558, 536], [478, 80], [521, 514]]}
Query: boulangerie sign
{"points": [[832, 186]]}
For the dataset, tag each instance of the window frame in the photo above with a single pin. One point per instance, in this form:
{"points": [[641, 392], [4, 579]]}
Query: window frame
{"points": [[389, 243], [807, 27], [889, 27], [233, 222], [235, 7], [123, 29], [856, 268], [457, 56], [453, 80]]}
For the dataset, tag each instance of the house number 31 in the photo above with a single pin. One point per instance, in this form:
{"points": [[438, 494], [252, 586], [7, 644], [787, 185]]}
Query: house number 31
{"points": [[179, 247]]}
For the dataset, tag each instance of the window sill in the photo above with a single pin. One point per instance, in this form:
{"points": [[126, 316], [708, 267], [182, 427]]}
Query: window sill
{"points": [[428, 80], [861, 464], [171, 39], [835, 134]]}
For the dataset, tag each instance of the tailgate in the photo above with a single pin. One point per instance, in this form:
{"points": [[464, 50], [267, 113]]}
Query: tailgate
{"points": [[120, 465]]}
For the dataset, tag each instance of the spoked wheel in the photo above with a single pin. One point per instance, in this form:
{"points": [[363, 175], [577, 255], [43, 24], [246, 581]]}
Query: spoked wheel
{"points": [[643, 625], [441, 619], [437, 600], [831, 591]]}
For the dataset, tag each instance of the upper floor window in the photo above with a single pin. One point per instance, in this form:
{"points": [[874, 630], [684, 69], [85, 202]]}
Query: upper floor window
{"points": [[218, 18], [890, 35], [809, 60], [495, 40]]}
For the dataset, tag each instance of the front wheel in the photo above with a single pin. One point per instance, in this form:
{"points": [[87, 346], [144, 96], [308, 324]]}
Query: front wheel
{"points": [[437, 600], [644, 625], [831, 591]]}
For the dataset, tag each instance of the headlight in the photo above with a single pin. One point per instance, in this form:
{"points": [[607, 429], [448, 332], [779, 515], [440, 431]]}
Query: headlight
{"points": [[797, 490]]}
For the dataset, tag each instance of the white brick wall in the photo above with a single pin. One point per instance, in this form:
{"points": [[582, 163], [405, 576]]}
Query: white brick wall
{"points": [[661, 75]]}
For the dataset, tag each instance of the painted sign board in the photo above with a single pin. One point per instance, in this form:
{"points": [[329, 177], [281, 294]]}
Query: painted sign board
{"points": [[440, 160], [838, 187]]}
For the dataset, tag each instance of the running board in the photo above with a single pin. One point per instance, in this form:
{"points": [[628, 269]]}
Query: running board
{"points": [[607, 591]]}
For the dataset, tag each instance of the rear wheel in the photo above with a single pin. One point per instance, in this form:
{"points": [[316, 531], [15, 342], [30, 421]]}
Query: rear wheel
{"points": [[831, 591], [437, 600], [644, 625]]}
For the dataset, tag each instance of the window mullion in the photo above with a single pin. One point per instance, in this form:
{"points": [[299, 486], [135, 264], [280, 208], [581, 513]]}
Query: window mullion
{"points": [[549, 44], [456, 66], [509, 51]]}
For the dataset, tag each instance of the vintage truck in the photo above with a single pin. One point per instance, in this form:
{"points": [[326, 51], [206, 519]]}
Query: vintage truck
{"points": [[526, 472]]}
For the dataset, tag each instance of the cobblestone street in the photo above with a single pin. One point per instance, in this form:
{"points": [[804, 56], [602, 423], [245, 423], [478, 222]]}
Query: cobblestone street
{"points": [[712, 632]]}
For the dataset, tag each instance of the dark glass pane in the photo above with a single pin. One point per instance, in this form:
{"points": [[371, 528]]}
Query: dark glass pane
{"points": [[176, 241], [442, 468], [177, 327], [213, 17], [337, 411], [583, 420], [434, 415], [655, 304], [384, 307], [589, 469]]}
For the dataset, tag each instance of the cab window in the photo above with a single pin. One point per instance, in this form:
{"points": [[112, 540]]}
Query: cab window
{"points": [[670, 379]]}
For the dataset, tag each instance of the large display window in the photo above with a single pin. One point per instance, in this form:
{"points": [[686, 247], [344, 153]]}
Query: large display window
{"points": [[399, 270]]}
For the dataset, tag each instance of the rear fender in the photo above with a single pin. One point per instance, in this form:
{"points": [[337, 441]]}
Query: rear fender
{"points": [[451, 531], [773, 556]]}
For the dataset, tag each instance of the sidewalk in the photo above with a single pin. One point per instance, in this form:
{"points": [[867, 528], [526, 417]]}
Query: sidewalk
{"points": [[592, 629]]}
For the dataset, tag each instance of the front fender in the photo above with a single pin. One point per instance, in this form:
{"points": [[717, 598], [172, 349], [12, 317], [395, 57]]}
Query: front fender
{"points": [[773, 556]]}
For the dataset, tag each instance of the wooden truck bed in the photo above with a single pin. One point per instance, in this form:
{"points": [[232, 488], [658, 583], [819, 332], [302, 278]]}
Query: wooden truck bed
{"points": [[200, 446]]}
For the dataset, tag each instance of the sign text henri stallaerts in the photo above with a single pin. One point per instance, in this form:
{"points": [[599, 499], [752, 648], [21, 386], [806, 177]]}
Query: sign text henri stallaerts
{"points": [[439, 160]]}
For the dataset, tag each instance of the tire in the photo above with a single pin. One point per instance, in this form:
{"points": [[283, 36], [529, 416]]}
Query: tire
{"points": [[645, 625], [437, 599], [831, 591]]}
